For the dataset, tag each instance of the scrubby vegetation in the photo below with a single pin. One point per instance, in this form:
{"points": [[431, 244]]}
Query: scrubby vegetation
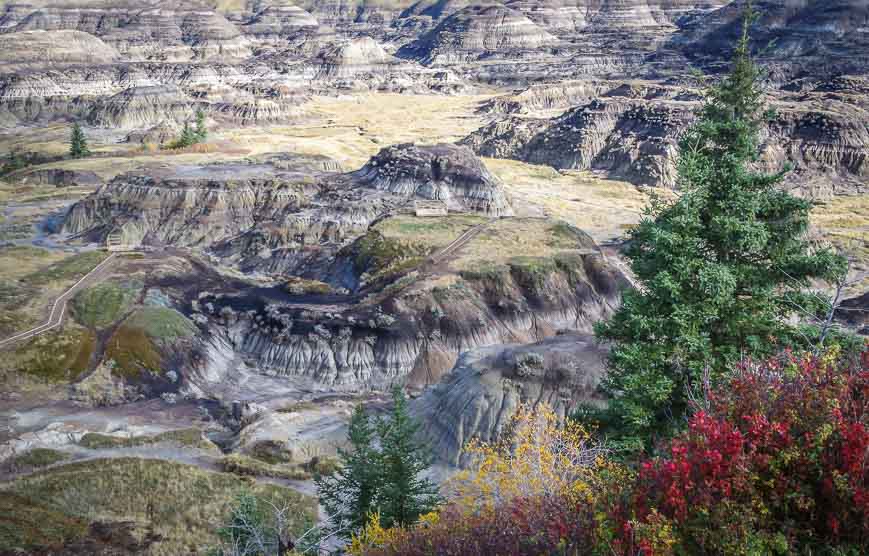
{"points": [[103, 304], [17, 160], [34, 459], [53, 357], [775, 461], [251, 467], [191, 438], [378, 257], [191, 135], [178, 503]]}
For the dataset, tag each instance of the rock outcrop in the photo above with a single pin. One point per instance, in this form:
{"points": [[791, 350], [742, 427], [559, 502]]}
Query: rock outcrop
{"points": [[631, 132], [142, 107], [242, 209], [476, 32], [807, 37], [27, 49], [275, 23], [480, 396], [410, 336], [442, 172]]}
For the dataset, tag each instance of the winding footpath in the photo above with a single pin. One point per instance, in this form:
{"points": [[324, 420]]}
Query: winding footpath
{"points": [[58, 309]]}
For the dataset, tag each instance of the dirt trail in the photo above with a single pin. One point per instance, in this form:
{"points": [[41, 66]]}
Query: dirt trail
{"points": [[58, 309]]}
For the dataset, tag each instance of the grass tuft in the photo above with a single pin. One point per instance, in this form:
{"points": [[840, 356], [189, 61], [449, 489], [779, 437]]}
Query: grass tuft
{"points": [[181, 503], [54, 357], [189, 438]]}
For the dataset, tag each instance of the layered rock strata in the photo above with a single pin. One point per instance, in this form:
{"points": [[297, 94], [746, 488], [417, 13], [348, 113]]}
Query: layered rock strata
{"points": [[480, 396], [631, 133]]}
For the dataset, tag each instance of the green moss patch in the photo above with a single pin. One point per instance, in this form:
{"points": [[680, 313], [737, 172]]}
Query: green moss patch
{"points": [[103, 304], [190, 438], [182, 503], [133, 352], [53, 357], [161, 323], [135, 345]]}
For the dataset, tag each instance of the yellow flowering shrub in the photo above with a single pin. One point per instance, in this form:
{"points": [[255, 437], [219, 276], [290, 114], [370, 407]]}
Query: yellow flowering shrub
{"points": [[535, 456]]}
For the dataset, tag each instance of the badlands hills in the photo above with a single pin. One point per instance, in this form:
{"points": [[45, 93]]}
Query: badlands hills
{"points": [[432, 194]]}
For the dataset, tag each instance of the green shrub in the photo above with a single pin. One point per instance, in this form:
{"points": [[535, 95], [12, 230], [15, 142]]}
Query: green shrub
{"points": [[34, 459]]}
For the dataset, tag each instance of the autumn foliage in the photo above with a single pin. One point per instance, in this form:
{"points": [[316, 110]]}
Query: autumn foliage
{"points": [[778, 462], [529, 493], [774, 461]]}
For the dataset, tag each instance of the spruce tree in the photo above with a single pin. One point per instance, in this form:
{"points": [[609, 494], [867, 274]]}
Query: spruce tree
{"points": [[722, 270], [405, 494], [78, 146], [349, 495], [201, 132], [188, 136]]}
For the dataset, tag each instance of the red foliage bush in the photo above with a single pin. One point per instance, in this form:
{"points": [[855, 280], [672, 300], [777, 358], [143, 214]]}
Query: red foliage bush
{"points": [[775, 462], [778, 462], [552, 526]]}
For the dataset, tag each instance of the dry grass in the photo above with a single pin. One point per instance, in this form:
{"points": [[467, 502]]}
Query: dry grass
{"points": [[844, 223], [19, 261], [506, 239], [30, 280], [54, 357], [188, 438], [434, 233], [603, 208], [352, 129], [349, 129], [182, 503]]}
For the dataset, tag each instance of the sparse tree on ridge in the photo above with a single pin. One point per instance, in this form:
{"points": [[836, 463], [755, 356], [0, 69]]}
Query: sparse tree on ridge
{"points": [[201, 130], [78, 146], [722, 270]]}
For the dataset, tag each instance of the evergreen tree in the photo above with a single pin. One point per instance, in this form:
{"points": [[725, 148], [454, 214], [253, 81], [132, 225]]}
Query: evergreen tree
{"points": [[78, 146], [349, 495], [404, 494], [722, 270], [201, 132], [188, 136]]}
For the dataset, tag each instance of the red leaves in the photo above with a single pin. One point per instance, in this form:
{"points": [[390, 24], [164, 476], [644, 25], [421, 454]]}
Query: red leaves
{"points": [[784, 447]]}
